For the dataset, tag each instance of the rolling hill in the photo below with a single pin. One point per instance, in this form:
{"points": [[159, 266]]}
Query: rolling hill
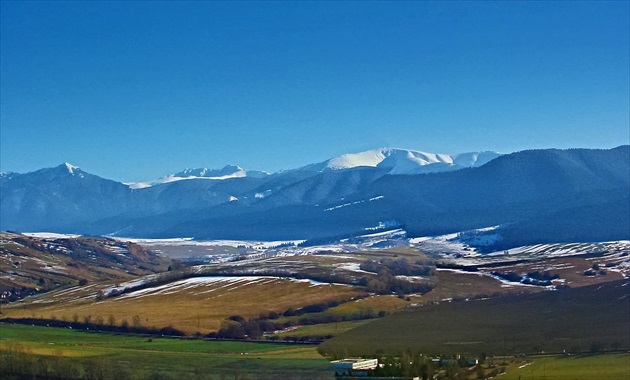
{"points": [[30, 265]]}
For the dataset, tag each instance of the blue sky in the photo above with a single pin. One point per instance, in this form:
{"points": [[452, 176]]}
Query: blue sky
{"points": [[133, 91]]}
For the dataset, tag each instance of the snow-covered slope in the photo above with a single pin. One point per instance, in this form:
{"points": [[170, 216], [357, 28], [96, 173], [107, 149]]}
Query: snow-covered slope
{"points": [[403, 161], [229, 171], [395, 161]]}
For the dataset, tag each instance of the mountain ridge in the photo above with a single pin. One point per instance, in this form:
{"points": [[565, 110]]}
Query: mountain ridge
{"points": [[305, 204], [397, 161], [403, 161]]}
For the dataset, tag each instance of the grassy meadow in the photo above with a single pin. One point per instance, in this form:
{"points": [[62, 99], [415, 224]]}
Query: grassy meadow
{"points": [[323, 329], [143, 357], [586, 319], [599, 367]]}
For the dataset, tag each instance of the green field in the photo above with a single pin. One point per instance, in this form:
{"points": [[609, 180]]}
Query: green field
{"points": [[143, 357], [586, 319], [324, 329], [599, 367]]}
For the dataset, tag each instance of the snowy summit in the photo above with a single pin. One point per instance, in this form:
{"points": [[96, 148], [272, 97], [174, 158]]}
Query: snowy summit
{"points": [[227, 172], [395, 161], [403, 161]]}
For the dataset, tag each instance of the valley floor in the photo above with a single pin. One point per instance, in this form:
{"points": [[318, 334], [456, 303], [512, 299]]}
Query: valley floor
{"points": [[77, 354], [65, 354]]}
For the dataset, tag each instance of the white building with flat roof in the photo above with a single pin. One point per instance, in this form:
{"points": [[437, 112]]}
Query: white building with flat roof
{"points": [[354, 366]]}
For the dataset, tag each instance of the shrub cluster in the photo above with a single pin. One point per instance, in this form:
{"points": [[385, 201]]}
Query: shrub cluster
{"points": [[386, 283], [14, 294], [314, 308], [592, 272], [543, 276], [399, 267], [407, 365], [386, 280], [532, 278]]}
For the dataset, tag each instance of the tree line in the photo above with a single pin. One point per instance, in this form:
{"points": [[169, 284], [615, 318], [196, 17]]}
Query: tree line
{"points": [[237, 327]]}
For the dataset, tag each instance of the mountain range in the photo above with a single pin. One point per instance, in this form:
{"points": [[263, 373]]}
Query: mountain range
{"points": [[535, 196]]}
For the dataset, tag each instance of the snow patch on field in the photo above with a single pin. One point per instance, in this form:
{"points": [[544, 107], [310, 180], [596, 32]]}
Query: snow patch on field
{"points": [[211, 243], [50, 235], [504, 282], [353, 267], [175, 241], [215, 282], [399, 232], [461, 245]]}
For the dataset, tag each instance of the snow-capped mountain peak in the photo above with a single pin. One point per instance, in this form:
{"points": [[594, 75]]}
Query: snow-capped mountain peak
{"points": [[352, 160], [227, 172], [70, 168], [64, 170], [403, 161]]}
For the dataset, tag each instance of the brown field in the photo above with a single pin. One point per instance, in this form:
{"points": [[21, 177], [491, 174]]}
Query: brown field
{"points": [[454, 285], [375, 303], [192, 305]]}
